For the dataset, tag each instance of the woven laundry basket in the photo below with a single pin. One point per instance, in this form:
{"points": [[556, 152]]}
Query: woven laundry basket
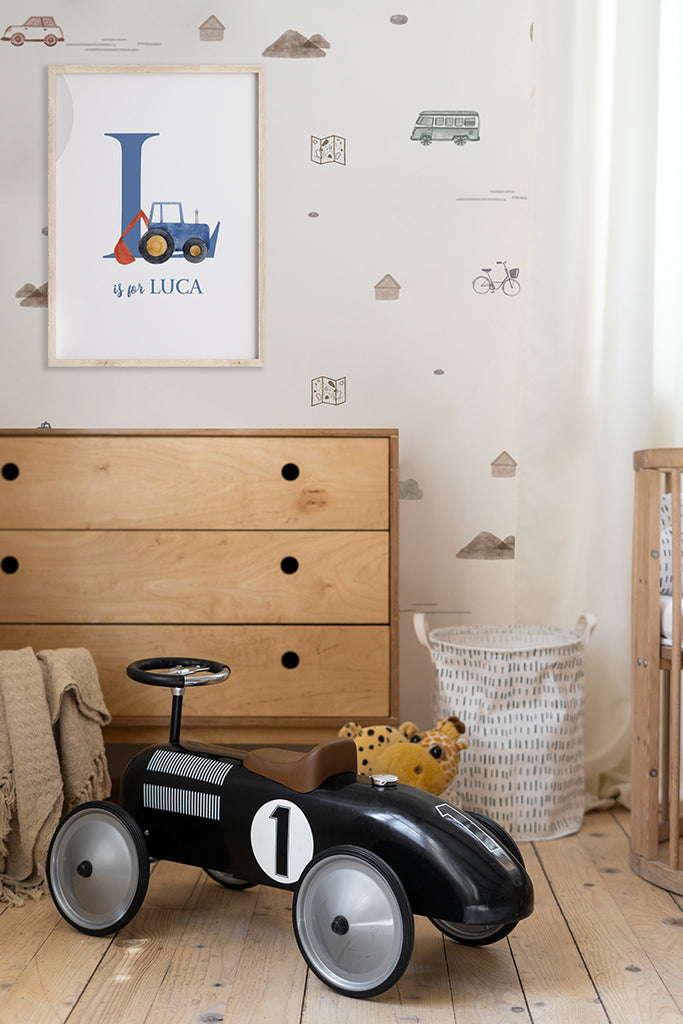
{"points": [[519, 691]]}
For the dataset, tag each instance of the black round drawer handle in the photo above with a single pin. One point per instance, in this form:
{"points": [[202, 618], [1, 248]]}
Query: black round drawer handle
{"points": [[9, 564], [290, 659], [290, 471], [289, 565], [10, 471]]}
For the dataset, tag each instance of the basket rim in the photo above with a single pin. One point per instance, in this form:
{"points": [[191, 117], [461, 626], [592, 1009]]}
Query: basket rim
{"points": [[530, 638]]}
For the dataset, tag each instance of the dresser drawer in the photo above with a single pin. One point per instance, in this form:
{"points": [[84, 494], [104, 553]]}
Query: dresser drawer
{"points": [[193, 576], [336, 673], [53, 481]]}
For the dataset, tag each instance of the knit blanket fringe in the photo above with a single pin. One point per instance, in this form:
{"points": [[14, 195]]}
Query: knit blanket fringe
{"points": [[52, 757]]}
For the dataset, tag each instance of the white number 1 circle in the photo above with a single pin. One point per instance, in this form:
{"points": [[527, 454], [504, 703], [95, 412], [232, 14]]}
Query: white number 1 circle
{"points": [[282, 840]]}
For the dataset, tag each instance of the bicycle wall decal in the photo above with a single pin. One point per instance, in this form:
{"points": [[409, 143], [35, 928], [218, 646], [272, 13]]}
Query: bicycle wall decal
{"points": [[509, 285]]}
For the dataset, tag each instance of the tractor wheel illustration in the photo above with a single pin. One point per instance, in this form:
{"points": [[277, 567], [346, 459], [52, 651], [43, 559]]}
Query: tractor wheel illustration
{"points": [[156, 246], [195, 250], [17, 39]]}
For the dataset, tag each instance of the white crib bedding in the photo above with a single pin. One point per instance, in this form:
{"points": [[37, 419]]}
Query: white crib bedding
{"points": [[666, 545], [666, 569], [666, 611]]}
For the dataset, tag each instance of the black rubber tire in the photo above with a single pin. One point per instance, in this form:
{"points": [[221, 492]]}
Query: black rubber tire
{"points": [[348, 891], [227, 880], [98, 868]]}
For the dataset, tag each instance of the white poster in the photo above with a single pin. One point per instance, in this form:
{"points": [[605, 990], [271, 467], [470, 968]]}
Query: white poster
{"points": [[155, 233]]}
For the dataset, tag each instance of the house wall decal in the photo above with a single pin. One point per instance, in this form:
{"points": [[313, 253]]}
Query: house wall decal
{"points": [[503, 465], [212, 30], [387, 288]]}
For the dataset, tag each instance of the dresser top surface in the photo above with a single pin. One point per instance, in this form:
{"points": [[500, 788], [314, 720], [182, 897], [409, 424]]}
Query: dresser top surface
{"points": [[196, 432]]}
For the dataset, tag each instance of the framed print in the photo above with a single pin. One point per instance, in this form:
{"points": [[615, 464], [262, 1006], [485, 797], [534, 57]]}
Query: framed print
{"points": [[155, 216]]}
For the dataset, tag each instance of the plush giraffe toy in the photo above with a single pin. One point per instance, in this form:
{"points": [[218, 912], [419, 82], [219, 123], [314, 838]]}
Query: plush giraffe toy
{"points": [[430, 759]]}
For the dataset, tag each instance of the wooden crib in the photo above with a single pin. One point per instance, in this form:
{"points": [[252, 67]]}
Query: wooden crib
{"points": [[656, 852]]}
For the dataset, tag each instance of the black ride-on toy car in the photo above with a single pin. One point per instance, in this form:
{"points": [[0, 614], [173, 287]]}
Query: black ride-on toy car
{"points": [[361, 856]]}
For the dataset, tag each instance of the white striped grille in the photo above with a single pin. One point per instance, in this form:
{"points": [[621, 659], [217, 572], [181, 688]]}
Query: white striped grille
{"points": [[181, 801], [189, 766]]}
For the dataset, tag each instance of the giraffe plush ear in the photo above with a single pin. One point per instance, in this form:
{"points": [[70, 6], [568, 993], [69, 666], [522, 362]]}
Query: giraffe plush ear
{"points": [[452, 726]]}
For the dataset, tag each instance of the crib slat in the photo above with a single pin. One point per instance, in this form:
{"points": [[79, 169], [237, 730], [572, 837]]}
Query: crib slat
{"points": [[675, 684], [645, 745]]}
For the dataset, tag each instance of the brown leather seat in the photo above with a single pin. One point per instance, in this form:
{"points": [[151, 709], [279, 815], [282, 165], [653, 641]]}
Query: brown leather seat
{"points": [[303, 772]]}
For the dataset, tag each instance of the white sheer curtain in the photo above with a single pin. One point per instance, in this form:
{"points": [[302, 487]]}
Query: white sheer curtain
{"points": [[602, 365], [668, 322]]}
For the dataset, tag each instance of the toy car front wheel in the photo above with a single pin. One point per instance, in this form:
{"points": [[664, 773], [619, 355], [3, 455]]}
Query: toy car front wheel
{"points": [[17, 39], [98, 868], [353, 922], [50, 40]]}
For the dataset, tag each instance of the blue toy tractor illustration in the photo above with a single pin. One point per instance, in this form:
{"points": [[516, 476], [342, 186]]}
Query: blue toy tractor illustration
{"points": [[168, 233]]}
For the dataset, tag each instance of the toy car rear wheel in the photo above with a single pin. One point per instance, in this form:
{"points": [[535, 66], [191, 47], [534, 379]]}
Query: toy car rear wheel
{"points": [[98, 868], [227, 880], [353, 922], [473, 934], [156, 245]]}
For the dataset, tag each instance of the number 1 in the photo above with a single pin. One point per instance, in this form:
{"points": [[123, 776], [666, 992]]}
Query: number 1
{"points": [[281, 816]]}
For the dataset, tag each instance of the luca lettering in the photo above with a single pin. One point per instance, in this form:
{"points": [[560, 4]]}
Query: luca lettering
{"points": [[168, 285]]}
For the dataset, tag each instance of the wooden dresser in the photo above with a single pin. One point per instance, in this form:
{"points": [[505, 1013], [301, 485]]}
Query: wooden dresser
{"points": [[274, 551]]}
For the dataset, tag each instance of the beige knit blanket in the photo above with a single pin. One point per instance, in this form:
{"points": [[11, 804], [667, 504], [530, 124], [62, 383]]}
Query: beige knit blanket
{"points": [[51, 756]]}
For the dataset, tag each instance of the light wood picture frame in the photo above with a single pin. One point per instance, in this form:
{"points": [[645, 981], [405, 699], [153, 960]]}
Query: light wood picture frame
{"points": [[156, 230]]}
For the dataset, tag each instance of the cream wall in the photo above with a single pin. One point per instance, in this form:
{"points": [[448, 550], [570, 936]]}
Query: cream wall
{"points": [[431, 216]]}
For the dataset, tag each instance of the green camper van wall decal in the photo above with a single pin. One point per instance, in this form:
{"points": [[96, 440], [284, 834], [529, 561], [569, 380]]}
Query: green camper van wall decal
{"points": [[458, 126]]}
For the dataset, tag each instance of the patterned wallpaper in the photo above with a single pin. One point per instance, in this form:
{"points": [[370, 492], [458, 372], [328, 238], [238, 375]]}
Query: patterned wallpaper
{"points": [[396, 162]]}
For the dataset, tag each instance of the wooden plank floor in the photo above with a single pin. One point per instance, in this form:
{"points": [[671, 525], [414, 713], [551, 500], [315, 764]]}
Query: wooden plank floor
{"points": [[602, 945]]}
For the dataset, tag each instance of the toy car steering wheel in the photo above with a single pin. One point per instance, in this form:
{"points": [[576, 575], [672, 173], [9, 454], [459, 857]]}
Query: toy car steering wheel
{"points": [[178, 673]]}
